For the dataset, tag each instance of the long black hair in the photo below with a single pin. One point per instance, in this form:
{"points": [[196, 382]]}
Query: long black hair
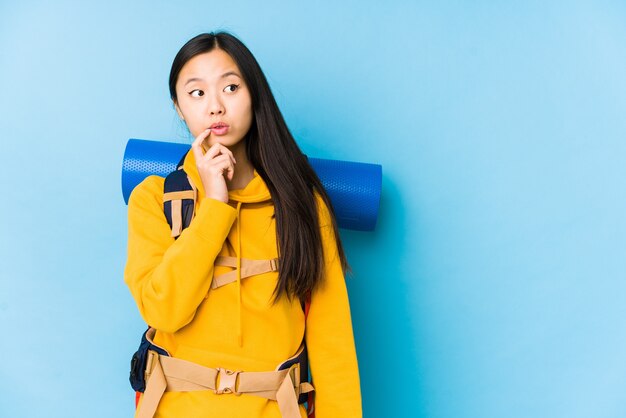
{"points": [[292, 182]]}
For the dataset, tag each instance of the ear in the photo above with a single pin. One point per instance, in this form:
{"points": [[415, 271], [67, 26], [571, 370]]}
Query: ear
{"points": [[180, 114]]}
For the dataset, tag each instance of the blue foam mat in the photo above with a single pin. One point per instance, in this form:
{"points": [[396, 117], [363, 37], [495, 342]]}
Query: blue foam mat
{"points": [[354, 188]]}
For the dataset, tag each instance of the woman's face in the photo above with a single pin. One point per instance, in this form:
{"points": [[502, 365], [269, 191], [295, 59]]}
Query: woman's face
{"points": [[211, 90]]}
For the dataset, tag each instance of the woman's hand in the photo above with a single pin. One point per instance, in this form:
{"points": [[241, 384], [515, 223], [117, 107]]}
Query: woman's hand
{"points": [[213, 166]]}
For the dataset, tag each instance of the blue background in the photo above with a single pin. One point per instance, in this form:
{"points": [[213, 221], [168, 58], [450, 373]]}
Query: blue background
{"points": [[493, 285]]}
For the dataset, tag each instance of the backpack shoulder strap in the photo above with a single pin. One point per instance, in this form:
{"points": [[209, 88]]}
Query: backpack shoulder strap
{"points": [[179, 199]]}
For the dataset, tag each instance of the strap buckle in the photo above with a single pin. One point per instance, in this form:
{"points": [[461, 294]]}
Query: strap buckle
{"points": [[294, 375], [226, 381], [274, 264], [151, 359]]}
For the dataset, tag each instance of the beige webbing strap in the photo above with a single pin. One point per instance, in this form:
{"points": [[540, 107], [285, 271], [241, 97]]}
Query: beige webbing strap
{"points": [[155, 387], [183, 194], [172, 374], [177, 217], [183, 376], [263, 384], [195, 196], [248, 268], [306, 387], [223, 260], [176, 199], [286, 396]]}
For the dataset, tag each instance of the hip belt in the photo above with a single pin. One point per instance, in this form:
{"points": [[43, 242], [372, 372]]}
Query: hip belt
{"points": [[165, 373]]}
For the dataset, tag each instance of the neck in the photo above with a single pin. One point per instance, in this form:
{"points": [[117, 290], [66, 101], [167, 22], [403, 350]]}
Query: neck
{"points": [[244, 171]]}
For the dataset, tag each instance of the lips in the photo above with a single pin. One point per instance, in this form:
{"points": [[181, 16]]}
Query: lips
{"points": [[219, 128]]}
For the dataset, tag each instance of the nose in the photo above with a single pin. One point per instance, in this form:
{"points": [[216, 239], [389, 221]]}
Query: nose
{"points": [[215, 106]]}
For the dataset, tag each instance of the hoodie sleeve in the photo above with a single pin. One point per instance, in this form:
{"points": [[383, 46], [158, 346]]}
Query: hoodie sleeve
{"points": [[329, 336], [169, 278]]}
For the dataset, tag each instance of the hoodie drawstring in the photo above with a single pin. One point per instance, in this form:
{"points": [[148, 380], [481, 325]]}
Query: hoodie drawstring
{"points": [[239, 331]]}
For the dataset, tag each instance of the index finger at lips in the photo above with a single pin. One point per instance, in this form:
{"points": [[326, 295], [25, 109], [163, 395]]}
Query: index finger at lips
{"points": [[196, 146]]}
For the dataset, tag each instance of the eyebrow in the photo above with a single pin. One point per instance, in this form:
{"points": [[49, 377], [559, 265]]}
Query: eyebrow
{"points": [[226, 74]]}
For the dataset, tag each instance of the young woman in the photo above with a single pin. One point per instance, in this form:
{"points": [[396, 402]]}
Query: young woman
{"points": [[227, 296]]}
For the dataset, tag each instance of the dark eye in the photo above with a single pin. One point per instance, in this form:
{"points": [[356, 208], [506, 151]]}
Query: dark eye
{"points": [[200, 93], [232, 87]]}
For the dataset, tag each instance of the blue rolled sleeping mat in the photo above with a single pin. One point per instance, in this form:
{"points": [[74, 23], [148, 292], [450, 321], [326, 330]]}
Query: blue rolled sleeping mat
{"points": [[354, 188]]}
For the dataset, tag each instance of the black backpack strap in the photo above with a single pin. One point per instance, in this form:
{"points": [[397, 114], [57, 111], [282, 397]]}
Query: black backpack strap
{"points": [[179, 199]]}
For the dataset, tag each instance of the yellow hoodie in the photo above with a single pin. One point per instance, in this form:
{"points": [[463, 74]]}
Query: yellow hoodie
{"points": [[236, 326]]}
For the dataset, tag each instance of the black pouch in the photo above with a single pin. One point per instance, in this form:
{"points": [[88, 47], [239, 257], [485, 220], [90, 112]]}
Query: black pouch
{"points": [[139, 360]]}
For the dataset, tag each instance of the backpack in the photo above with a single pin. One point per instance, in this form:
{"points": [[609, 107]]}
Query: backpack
{"points": [[179, 201]]}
